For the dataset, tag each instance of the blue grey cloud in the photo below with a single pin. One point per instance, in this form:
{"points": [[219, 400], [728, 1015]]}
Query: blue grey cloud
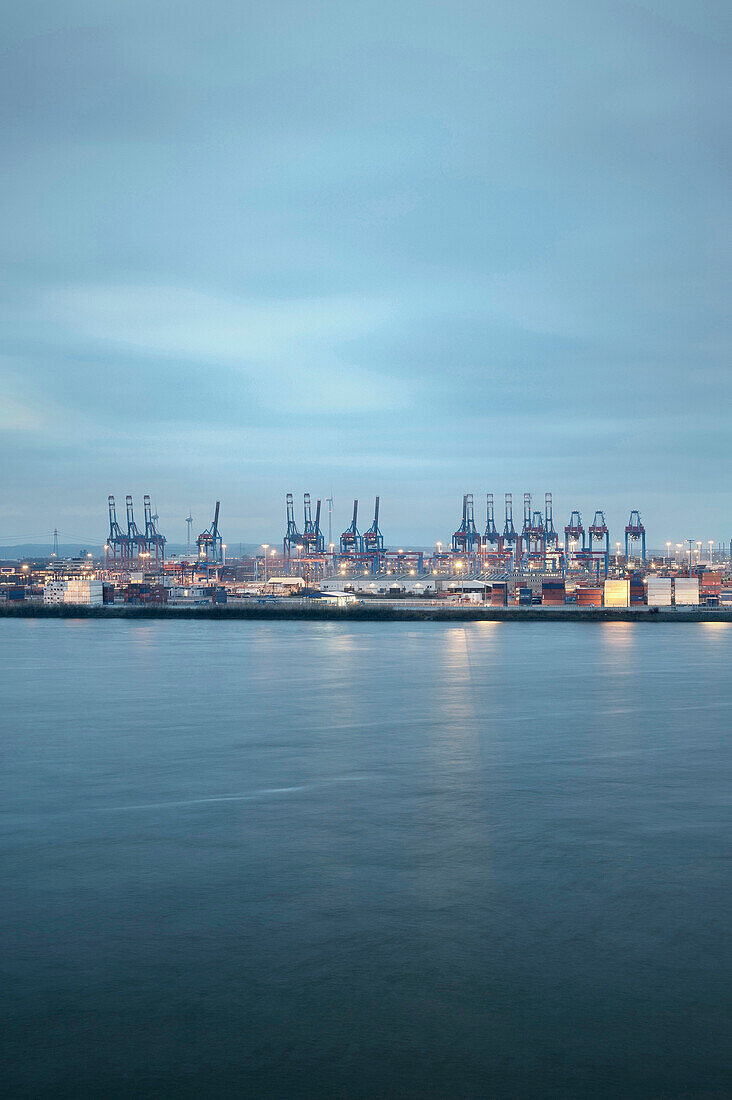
{"points": [[414, 249]]}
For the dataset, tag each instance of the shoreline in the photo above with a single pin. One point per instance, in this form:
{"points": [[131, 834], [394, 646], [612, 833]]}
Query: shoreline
{"points": [[364, 613]]}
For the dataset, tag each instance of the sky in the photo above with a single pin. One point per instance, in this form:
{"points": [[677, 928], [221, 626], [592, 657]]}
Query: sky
{"points": [[413, 249]]}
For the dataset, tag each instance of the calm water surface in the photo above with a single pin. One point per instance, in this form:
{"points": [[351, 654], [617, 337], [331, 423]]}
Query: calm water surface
{"points": [[380, 860]]}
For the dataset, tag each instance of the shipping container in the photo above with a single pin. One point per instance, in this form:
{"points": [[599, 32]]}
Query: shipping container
{"points": [[553, 592], [498, 595], [659, 591], [637, 592], [617, 593], [588, 597], [686, 591]]}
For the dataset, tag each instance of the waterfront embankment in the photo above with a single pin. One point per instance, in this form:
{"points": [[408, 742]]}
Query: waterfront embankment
{"points": [[371, 611]]}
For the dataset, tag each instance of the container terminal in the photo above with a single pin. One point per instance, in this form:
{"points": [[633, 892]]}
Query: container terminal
{"points": [[523, 561]]}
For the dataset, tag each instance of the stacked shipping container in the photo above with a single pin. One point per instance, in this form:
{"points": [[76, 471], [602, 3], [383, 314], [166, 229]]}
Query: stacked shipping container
{"points": [[553, 593]]}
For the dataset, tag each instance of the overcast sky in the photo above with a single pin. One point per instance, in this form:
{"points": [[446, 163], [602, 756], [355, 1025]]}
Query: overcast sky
{"points": [[413, 249]]}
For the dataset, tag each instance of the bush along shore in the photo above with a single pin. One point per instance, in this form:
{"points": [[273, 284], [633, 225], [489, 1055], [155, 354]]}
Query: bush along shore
{"points": [[362, 612]]}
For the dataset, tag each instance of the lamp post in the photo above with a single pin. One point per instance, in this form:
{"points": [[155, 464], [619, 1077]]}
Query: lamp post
{"points": [[265, 547]]}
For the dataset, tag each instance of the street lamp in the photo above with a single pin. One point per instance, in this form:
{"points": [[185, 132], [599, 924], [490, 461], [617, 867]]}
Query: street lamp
{"points": [[265, 547], [668, 552], [711, 551], [223, 551]]}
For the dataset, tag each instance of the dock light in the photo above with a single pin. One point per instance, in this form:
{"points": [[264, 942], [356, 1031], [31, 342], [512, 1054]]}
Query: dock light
{"points": [[411, 572]]}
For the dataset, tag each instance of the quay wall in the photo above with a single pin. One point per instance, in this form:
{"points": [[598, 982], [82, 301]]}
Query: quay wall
{"points": [[371, 611]]}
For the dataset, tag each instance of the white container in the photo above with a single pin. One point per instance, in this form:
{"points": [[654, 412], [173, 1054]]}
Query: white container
{"points": [[659, 591], [54, 592], [82, 591], [686, 591], [617, 593]]}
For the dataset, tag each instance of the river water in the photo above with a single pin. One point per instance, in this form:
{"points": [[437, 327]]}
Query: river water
{"points": [[381, 860]]}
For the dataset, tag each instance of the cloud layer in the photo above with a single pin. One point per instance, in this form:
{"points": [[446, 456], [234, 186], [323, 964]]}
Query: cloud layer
{"points": [[413, 250]]}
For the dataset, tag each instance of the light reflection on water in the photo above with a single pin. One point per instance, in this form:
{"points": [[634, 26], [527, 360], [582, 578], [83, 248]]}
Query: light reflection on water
{"points": [[386, 860]]}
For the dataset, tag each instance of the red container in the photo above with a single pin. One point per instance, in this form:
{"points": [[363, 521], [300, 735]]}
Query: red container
{"points": [[589, 597], [498, 595]]}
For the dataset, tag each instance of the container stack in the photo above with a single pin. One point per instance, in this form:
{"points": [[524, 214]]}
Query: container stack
{"points": [[637, 591], [145, 593], [710, 588], [659, 591], [553, 593], [499, 594], [617, 593], [589, 597], [686, 591]]}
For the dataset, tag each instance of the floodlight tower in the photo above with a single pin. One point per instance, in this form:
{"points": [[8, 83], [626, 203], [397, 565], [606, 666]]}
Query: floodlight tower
{"points": [[189, 524]]}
